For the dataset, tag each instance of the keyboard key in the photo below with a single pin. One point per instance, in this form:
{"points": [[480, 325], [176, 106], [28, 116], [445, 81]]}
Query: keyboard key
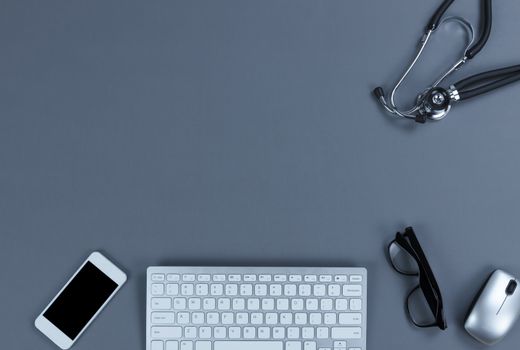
{"points": [[234, 333], [172, 289], [183, 318], [157, 345], [188, 277], [227, 318], [329, 318], [293, 332], [326, 304], [300, 318], [257, 318], [325, 278], [231, 289], [282, 304], [341, 304], [249, 345], [190, 332], [166, 332], [278, 332], [219, 332], [234, 278], [217, 289], [187, 289], [297, 304], [275, 290], [264, 278], [172, 345], [315, 318], [246, 289], [157, 277], [249, 278], [173, 277], [304, 290], [289, 290], [209, 304], [350, 318], [356, 278], [162, 317], [355, 304], [161, 303], [203, 278], [224, 304], [322, 333], [203, 345], [307, 332], [194, 303], [264, 332], [157, 289], [309, 345], [271, 318], [186, 345], [334, 290], [253, 304], [340, 344], [352, 290], [310, 278], [205, 332], [280, 278], [346, 332], [311, 304], [319, 290], [219, 278], [242, 318], [197, 318], [239, 304], [249, 332], [286, 318], [212, 318], [293, 345], [268, 304], [201, 289], [295, 278], [179, 303], [340, 278], [260, 289]]}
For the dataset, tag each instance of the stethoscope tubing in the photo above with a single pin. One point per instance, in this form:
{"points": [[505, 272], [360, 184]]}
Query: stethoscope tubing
{"points": [[502, 80]]}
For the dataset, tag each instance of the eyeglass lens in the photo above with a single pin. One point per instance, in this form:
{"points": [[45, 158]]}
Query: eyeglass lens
{"points": [[401, 260]]}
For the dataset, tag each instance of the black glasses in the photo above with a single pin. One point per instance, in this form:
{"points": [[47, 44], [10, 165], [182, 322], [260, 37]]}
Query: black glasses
{"points": [[424, 302]]}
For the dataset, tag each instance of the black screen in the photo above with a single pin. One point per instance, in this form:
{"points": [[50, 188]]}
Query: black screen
{"points": [[80, 300]]}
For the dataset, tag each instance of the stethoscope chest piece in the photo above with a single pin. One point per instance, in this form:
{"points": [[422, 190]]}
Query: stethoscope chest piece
{"points": [[435, 105]]}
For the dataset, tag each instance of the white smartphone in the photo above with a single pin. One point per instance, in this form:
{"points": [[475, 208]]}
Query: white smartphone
{"points": [[80, 300]]}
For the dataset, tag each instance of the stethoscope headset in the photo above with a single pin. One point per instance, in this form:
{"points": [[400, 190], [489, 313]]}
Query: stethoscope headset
{"points": [[435, 102]]}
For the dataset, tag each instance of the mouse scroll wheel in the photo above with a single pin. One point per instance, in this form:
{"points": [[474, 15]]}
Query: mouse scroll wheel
{"points": [[511, 287]]}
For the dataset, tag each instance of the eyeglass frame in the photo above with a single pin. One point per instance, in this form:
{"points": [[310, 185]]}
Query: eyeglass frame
{"points": [[427, 282]]}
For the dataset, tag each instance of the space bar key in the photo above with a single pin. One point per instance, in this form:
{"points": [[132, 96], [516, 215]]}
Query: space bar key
{"points": [[248, 345]]}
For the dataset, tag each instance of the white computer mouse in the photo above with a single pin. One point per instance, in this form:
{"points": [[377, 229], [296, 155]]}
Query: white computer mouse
{"points": [[495, 308]]}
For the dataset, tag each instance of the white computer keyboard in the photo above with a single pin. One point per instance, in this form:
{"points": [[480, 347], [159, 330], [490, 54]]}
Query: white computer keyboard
{"points": [[256, 308]]}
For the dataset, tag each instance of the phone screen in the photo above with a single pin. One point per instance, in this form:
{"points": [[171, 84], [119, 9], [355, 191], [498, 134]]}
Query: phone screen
{"points": [[80, 300]]}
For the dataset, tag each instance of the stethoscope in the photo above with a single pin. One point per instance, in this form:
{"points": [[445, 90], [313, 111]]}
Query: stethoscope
{"points": [[435, 102]]}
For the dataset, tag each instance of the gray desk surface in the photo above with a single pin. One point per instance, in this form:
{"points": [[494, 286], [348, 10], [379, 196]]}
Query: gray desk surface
{"points": [[244, 132]]}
